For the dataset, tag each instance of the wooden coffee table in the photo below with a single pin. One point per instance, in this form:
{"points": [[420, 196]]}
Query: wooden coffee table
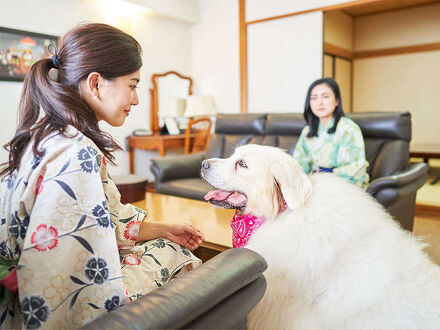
{"points": [[212, 221]]}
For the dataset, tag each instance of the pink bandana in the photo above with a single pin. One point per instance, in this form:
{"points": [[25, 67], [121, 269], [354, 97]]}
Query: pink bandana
{"points": [[243, 226]]}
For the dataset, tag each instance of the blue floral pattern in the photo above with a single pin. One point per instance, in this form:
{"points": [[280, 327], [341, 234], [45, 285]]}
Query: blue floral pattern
{"points": [[165, 274], [102, 216], [18, 227], [96, 270], [34, 311], [112, 304], [91, 159], [5, 251]]}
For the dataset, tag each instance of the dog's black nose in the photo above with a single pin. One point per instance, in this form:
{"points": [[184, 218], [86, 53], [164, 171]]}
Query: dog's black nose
{"points": [[205, 165]]}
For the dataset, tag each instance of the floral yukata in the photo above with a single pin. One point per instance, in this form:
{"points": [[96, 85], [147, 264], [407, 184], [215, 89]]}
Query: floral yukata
{"points": [[61, 217], [342, 152]]}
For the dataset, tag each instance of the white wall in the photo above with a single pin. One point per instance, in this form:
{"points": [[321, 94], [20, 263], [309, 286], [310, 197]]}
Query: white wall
{"points": [[166, 44], [185, 10], [215, 54], [401, 82], [282, 63]]}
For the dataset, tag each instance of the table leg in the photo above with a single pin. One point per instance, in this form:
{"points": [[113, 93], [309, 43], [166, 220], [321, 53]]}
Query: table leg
{"points": [[162, 149], [131, 159]]}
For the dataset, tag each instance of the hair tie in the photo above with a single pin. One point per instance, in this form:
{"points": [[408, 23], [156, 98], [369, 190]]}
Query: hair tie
{"points": [[55, 60]]}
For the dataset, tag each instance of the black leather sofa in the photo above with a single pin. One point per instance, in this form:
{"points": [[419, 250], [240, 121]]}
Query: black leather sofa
{"points": [[393, 182], [216, 295]]}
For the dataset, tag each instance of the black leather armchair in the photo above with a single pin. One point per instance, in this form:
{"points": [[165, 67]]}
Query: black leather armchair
{"points": [[216, 295], [393, 182]]}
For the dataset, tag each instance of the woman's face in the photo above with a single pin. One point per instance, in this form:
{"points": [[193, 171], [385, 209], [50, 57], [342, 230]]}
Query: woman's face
{"points": [[323, 101], [116, 98]]}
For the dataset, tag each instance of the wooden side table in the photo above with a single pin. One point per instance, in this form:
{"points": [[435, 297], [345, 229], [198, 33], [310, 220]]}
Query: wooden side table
{"points": [[131, 187], [424, 150], [154, 142]]}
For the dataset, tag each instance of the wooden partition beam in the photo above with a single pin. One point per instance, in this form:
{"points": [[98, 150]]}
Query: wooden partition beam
{"points": [[340, 6], [337, 51], [398, 50], [243, 56]]}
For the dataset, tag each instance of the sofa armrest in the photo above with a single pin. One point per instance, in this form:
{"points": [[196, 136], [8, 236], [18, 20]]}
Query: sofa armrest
{"points": [[177, 167], [188, 299], [413, 173]]}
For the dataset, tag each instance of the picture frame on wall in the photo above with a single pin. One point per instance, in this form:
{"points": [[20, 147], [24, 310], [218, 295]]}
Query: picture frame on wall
{"points": [[19, 50]]}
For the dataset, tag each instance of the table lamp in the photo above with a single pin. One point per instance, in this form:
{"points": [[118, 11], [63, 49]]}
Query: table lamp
{"points": [[200, 106]]}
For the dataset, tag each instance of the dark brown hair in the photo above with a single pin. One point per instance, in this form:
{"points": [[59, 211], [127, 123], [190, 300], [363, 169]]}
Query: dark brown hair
{"points": [[85, 49], [310, 117]]}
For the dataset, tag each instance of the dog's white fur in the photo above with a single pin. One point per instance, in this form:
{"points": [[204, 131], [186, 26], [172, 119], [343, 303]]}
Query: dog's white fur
{"points": [[336, 258]]}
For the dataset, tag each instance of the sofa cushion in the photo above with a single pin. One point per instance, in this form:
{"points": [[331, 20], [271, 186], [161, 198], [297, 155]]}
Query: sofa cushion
{"points": [[392, 158], [284, 124], [384, 125], [232, 141], [194, 188], [372, 149], [240, 124]]}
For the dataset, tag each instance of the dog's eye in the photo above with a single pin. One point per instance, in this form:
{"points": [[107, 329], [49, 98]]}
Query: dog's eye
{"points": [[240, 163]]}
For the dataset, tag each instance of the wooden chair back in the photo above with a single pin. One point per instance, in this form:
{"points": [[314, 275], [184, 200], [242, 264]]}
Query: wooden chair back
{"points": [[197, 135]]}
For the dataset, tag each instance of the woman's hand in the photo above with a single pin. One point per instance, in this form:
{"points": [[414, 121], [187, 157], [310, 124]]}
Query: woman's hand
{"points": [[186, 235]]}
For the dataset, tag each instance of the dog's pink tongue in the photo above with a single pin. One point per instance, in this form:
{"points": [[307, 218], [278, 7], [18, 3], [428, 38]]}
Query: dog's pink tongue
{"points": [[236, 198], [218, 195]]}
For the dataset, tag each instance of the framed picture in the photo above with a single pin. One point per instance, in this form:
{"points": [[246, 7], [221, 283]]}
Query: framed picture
{"points": [[171, 125], [19, 50]]}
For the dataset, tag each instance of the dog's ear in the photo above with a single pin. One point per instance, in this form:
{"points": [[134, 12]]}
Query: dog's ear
{"points": [[291, 181]]}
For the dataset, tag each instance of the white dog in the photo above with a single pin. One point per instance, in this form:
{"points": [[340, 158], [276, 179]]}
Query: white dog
{"points": [[336, 258]]}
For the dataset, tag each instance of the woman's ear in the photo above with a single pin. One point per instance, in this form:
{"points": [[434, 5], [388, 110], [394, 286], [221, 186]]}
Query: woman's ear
{"points": [[92, 84], [294, 184]]}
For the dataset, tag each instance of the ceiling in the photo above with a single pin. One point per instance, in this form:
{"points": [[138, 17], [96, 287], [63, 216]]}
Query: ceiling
{"points": [[384, 6]]}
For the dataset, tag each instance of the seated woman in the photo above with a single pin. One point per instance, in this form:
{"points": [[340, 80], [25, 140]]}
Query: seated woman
{"points": [[78, 251], [330, 142]]}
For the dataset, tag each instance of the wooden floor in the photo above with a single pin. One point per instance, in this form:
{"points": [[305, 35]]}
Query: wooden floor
{"points": [[427, 219], [429, 194], [428, 228]]}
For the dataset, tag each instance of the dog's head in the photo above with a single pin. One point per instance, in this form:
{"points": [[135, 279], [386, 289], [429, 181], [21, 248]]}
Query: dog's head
{"points": [[257, 179]]}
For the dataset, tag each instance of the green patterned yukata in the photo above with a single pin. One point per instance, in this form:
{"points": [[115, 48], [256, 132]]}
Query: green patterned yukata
{"points": [[342, 151]]}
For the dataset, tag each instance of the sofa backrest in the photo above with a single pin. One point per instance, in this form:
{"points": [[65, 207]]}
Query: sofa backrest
{"points": [[386, 134], [233, 130]]}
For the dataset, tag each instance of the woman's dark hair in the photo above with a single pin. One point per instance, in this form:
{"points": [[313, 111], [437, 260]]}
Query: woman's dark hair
{"points": [[85, 49], [311, 119]]}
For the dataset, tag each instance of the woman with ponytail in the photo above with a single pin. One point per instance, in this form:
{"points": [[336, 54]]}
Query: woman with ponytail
{"points": [[69, 250]]}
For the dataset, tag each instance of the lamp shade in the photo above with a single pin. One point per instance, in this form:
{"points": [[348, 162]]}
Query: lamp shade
{"points": [[199, 106], [172, 107]]}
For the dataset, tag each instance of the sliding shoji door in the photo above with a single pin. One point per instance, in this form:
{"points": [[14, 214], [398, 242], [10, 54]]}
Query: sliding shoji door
{"points": [[284, 56]]}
